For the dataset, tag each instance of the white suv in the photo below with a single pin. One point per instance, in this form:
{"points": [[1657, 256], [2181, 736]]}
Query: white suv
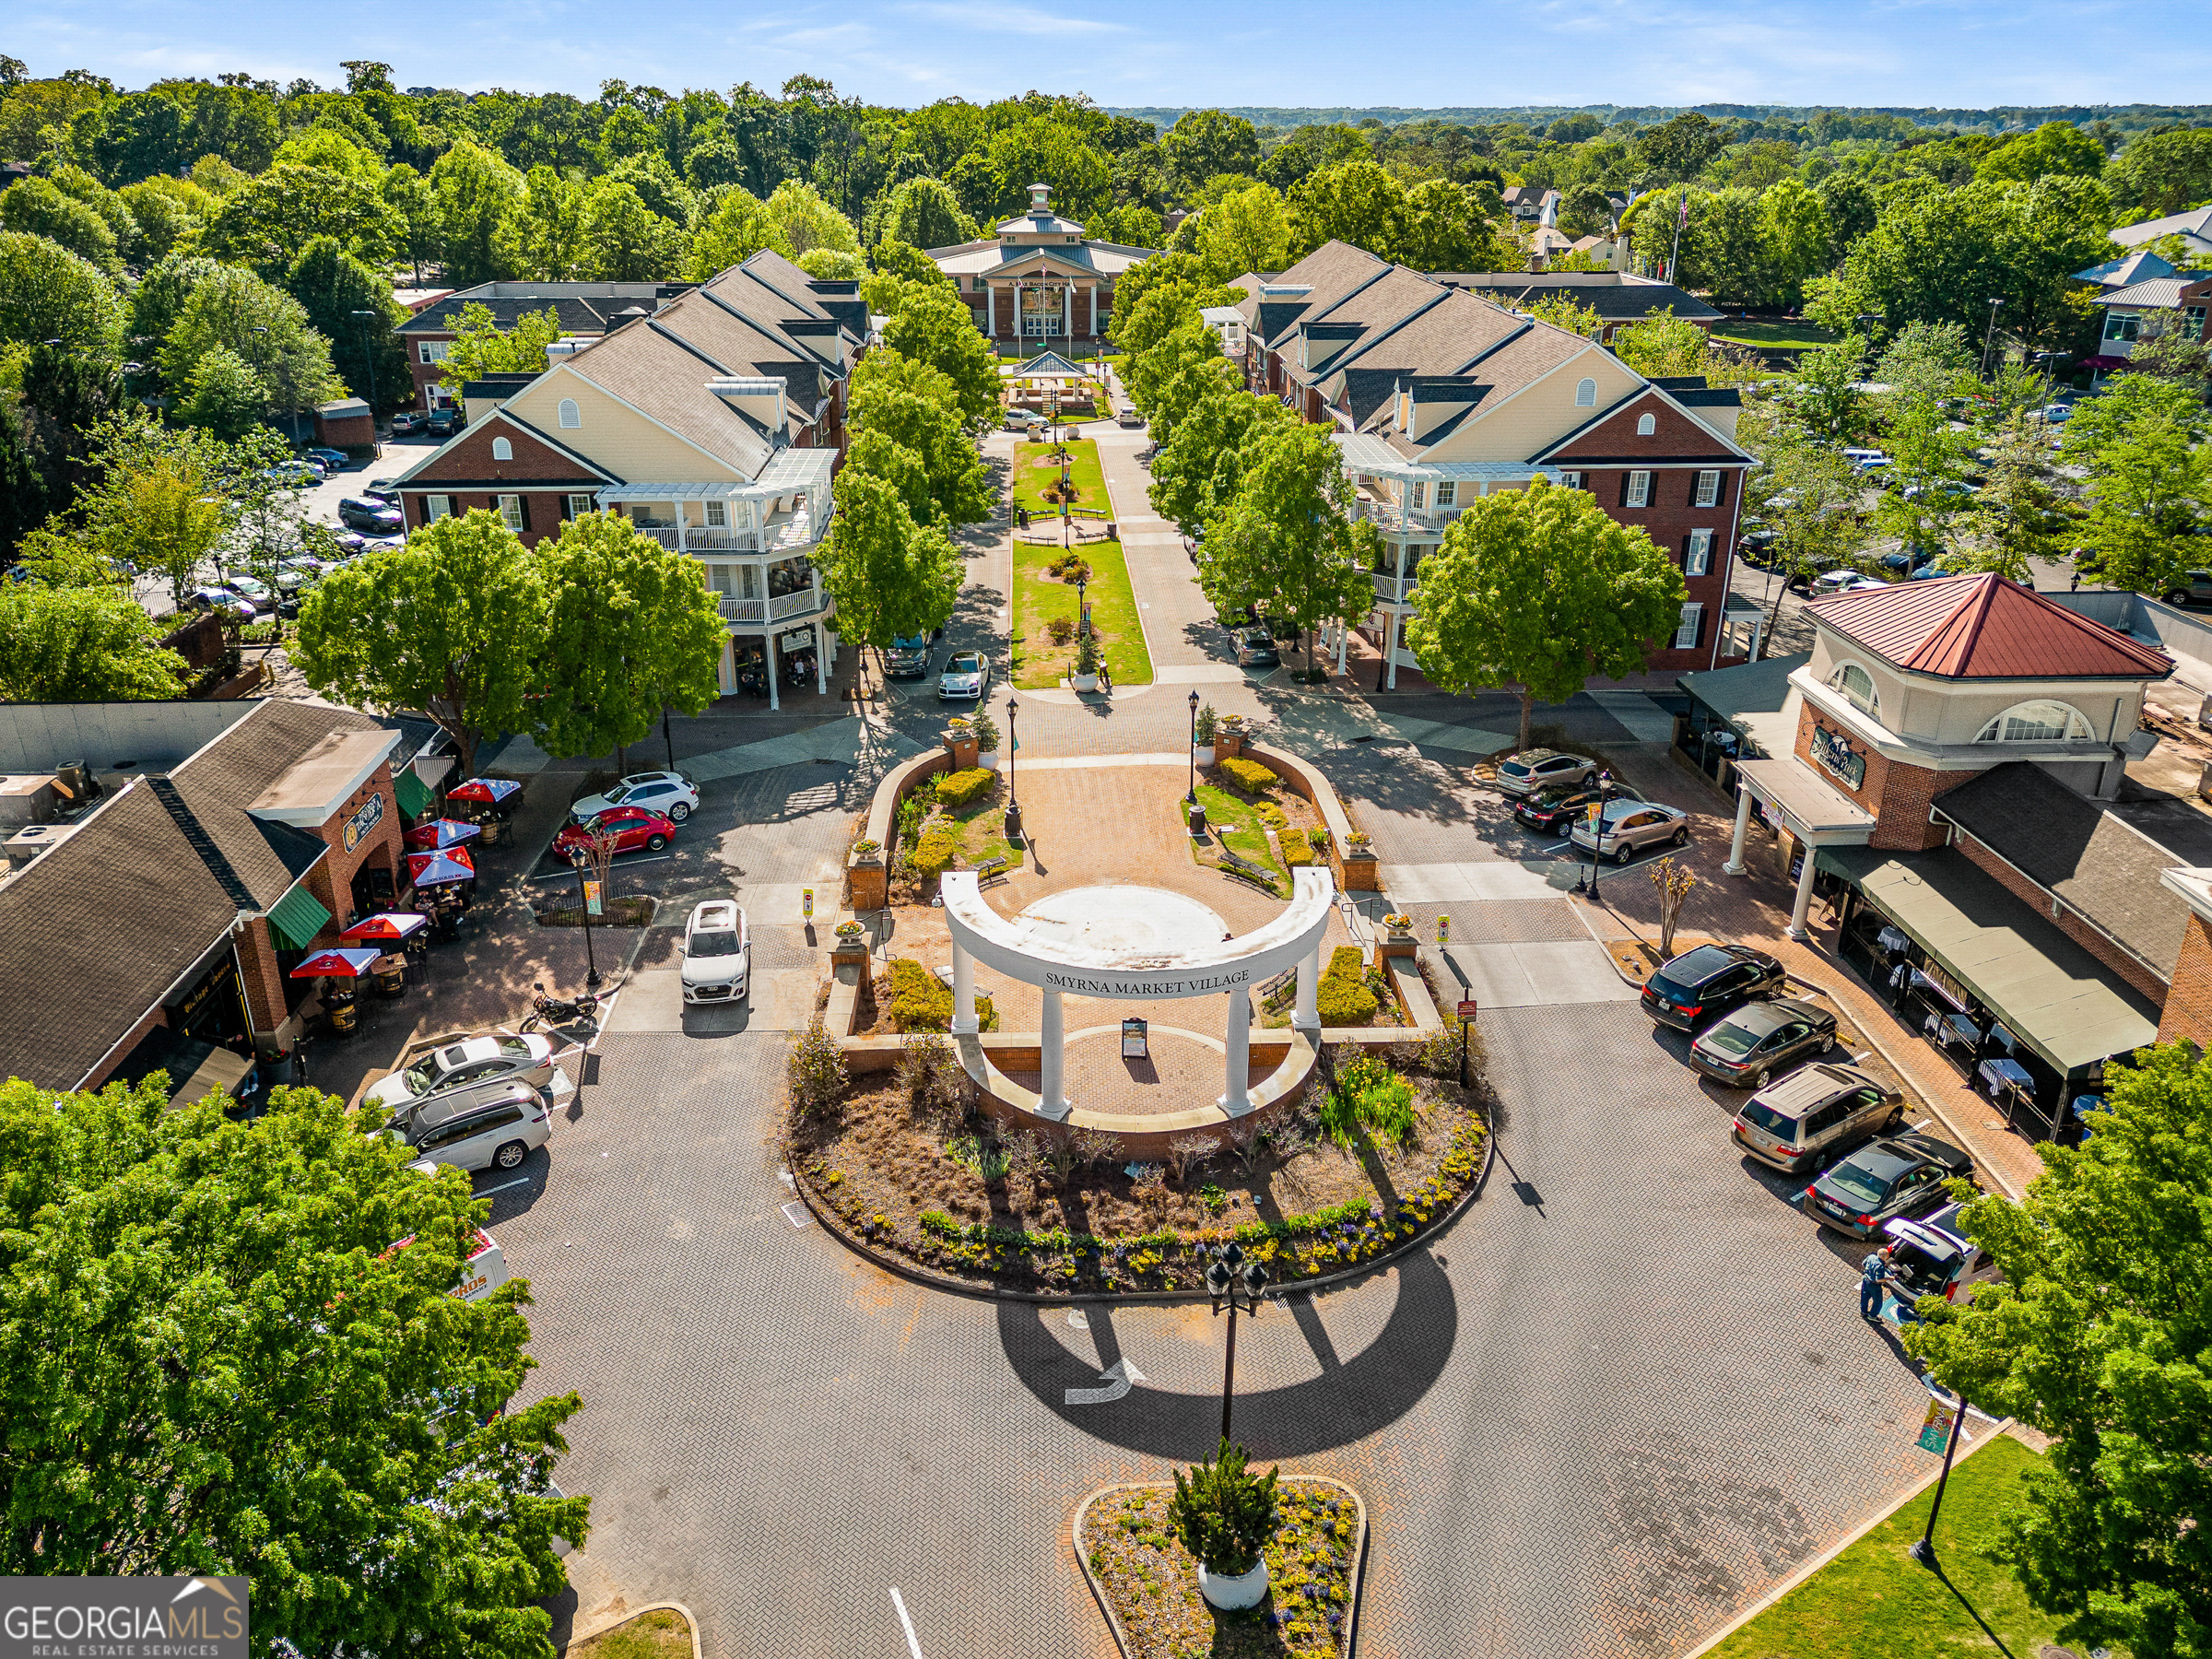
{"points": [[495, 1133], [718, 953], [671, 795]]}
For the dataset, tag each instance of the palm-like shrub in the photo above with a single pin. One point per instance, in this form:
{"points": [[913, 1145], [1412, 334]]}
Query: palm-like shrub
{"points": [[1223, 1513]]}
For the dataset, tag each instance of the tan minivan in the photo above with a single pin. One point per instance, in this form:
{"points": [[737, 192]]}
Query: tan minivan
{"points": [[1814, 1115]]}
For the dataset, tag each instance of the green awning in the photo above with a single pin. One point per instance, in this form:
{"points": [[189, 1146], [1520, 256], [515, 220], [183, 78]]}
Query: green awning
{"points": [[2050, 993], [413, 792], [296, 918]]}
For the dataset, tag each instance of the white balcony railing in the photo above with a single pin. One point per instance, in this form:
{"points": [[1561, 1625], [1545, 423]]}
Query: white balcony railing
{"points": [[1407, 520], [783, 607], [664, 533]]}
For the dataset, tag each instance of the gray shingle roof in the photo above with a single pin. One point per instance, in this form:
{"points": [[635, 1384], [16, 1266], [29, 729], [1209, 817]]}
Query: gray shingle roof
{"points": [[583, 308], [1605, 292]]}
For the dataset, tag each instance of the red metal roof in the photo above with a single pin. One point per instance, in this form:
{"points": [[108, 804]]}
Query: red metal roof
{"points": [[1984, 626]]}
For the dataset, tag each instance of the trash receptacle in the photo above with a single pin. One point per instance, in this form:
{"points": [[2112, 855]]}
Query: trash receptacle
{"points": [[1197, 820]]}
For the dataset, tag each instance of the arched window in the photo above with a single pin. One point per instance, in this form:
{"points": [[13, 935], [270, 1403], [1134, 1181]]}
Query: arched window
{"points": [[570, 415], [501, 450], [1857, 687], [1645, 426], [2038, 723], [1585, 393]]}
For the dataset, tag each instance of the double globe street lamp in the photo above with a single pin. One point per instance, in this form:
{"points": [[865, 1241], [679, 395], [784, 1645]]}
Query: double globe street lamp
{"points": [[1233, 1283]]}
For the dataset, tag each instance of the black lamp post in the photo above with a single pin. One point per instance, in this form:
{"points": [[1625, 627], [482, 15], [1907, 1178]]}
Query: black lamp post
{"points": [[1989, 336], [1924, 1551], [1083, 605], [579, 858], [1223, 1284], [369, 358], [1013, 804], [1192, 796]]}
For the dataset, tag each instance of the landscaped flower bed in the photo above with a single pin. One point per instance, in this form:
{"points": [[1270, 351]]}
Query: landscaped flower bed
{"points": [[908, 1168], [1150, 1580]]}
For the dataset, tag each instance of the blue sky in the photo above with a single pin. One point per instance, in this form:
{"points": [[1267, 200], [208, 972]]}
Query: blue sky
{"points": [[1124, 52]]}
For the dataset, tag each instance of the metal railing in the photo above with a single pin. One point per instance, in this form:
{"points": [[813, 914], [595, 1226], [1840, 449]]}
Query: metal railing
{"points": [[1407, 520], [783, 606]]}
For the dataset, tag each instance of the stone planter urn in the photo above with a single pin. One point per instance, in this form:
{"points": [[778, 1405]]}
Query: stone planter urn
{"points": [[1234, 1594], [868, 852], [1204, 754], [959, 748], [1084, 682], [1401, 928], [987, 760]]}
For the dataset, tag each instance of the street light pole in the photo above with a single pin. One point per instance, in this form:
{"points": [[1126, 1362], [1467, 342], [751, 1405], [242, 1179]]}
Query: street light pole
{"points": [[1192, 798], [369, 358], [1083, 605], [1924, 1551], [1223, 1281], [1989, 335], [1013, 822], [579, 858]]}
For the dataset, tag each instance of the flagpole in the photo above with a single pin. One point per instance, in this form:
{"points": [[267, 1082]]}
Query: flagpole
{"points": [[1681, 219]]}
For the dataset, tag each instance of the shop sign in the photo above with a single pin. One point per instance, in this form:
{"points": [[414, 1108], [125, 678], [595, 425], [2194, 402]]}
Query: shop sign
{"points": [[369, 816], [1835, 753], [194, 1001]]}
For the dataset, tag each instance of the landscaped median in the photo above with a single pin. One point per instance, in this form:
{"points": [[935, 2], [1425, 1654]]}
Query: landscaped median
{"points": [[1044, 586]]}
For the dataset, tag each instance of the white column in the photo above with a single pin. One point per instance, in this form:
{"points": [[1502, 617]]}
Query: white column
{"points": [[821, 658], [1734, 866], [1805, 896], [963, 992], [1390, 647], [1052, 1082], [1068, 313], [768, 652], [1343, 633], [1237, 1101], [1307, 1017], [1091, 292]]}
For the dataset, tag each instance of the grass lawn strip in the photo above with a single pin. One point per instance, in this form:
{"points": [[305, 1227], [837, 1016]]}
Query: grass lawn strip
{"points": [[1235, 824], [1747, 332], [1083, 471], [662, 1633], [1874, 1598], [1038, 599], [982, 830], [1151, 1582]]}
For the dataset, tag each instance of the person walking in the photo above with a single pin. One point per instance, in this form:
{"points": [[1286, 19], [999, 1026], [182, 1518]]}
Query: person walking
{"points": [[1105, 677], [1874, 1277]]}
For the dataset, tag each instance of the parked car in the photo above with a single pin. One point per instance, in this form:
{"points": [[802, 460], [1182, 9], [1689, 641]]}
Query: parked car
{"points": [[908, 657], [1866, 460], [444, 423], [217, 596], [294, 474], [1912, 560], [670, 793], [1815, 1115], [1531, 769], [967, 675], [2058, 414], [1841, 582], [718, 953], [307, 567], [2198, 592], [463, 1075], [1627, 828], [1700, 985], [408, 422], [1024, 421], [1897, 1175], [1762, 1040], [372, 516], [1556, 805], [496, 1133], [381, 489], [1933, 1256], [330, 459], [1255, 648], [633, 826], [264, 599]]}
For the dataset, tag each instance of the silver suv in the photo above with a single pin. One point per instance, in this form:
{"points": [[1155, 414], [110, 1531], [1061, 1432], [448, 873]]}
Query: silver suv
{"points": [[1531, 769], [1814, 1115], [1629, 827]]}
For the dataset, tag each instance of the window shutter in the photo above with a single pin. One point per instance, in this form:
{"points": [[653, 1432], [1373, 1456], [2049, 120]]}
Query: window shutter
{"points": [[1685, 560], [1624, 489], [522, 508]]}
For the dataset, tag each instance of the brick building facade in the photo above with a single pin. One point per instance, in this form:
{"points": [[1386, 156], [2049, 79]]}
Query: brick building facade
{"points": [[501, 464]]}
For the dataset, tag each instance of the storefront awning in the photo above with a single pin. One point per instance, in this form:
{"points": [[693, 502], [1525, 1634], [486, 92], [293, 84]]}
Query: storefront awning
{"points": [[2052, 994], [1817, 811], [413, 794], [296, 919], [195, 1068]]}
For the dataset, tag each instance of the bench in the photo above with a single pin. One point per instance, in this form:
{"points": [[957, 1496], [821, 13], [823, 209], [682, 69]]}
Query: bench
{"points": [[989, 871], [1243, 869]]}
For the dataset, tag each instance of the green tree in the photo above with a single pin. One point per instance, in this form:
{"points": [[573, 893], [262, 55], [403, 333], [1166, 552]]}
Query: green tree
{"points": [[374, 1475], [1726, 248], [81, 645], [1796, 234], [47, 292], [923, 213], [1562, 310], [935, 327], [268, 220], [2160, 173], [2017, 517], [1198, 468], [891, 578], [1445, 230], [2056, 147], [1356, 202], [2147, 495], [1287, 542], [882, 456], [1824, 393], [1540, 589], [452, 624], [35, 207], [1926, 361], [1246, 230], [158, 301], [415, 211], [66, 395], [623, 240], [737, 228], [160, 497], [263, 325], [1807, 493], [1204, 143], [2093, 1334], [545, 236], [334, 288], [23, 496], [224, 397], [1926, 461], [480, 346], [2129, 401], [477, 192], [918, 408], [802, 221], [631, 631], [162, 220]]}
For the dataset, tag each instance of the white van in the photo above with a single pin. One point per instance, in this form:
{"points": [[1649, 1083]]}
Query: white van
{"points": [[486, 1270]]}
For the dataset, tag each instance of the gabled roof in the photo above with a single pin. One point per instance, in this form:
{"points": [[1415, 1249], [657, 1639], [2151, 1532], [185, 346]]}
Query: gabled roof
{"points": [[1984, 626], [2193, 222], [2128, 267], [2155, 292], [507, 416], [1614, 295], [583, 308]]}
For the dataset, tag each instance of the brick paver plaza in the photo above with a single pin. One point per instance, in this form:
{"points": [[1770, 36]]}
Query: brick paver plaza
{"points": [[1626, 1394]]}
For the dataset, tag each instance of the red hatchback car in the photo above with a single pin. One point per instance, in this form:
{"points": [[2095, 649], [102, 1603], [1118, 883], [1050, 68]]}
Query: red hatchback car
{"points": [[634, 827]]}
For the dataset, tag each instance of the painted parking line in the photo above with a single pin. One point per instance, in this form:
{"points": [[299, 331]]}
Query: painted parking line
{"points": [[913, 1646], [504, 1187]]}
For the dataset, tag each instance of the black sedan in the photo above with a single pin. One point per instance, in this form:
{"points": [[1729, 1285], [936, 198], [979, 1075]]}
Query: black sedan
{"points": [[1897, 1175], [1762, 1040], [1696, 988], [1553, 808], [374, 517]]}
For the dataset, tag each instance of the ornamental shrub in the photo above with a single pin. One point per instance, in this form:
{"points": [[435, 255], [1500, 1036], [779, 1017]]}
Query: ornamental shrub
{"points": [[923, 1002], [961, 788], [933, 853], [1223, 1514], [1343, 995], [1061, 629], [815, 1074], [1272, 815], [1248, 775], [1297, 851]]}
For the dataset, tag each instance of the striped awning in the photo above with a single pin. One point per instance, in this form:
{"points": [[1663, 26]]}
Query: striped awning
{"points": [[296, 918]]}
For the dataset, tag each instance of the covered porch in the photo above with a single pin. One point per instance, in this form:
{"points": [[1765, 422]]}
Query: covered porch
{"points": [[1805, 811]]}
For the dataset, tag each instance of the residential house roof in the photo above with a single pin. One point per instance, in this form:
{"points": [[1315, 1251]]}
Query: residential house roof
{"points": [[2092, 859], [1614, 295], [583, 308], [1985, 627], [2128, 267], [2194, 222], [2155, 293]]}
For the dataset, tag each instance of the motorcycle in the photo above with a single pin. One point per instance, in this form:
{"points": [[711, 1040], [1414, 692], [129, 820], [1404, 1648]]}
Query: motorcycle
{"points": [[552, 1012]]}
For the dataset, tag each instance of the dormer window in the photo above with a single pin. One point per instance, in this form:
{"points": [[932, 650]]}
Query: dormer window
{"points": [[1857, 687], [2038, 723]]}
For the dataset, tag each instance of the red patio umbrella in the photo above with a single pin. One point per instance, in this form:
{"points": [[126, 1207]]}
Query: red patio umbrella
{"points": [[442, 832], [393, 926], [336, 964]]}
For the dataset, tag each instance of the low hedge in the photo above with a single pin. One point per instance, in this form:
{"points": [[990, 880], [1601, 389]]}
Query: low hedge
{"points": [[1343, 995], [961, 788], [923, 1002], [1248, 775], [1297, 851], [933, 855]]}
